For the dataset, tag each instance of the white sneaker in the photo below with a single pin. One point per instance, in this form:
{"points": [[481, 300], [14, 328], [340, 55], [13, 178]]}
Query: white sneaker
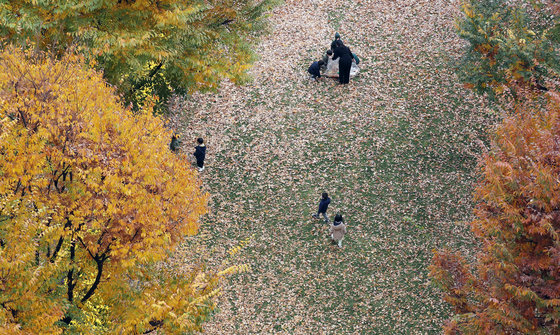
{"points": [[200, 169]]}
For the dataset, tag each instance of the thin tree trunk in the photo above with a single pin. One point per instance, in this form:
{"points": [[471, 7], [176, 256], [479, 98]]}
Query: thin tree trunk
{"points": [[70, 280], [100, 261]]}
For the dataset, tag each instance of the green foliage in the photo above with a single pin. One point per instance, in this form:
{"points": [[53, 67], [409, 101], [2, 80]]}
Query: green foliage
{"points": [[509, 44], [144, 47]]}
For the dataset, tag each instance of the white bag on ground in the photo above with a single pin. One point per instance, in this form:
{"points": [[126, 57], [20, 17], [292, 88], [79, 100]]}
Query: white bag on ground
{"points": [[332, 69]]}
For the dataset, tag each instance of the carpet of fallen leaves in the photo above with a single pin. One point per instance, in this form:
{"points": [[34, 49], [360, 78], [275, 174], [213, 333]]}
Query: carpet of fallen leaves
{"points": [[396, 150]]}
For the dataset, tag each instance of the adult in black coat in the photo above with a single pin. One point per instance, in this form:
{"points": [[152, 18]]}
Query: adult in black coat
{"points": [[345, 63]]}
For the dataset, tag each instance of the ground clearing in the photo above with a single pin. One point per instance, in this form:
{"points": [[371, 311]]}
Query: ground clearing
{"points": [[396, 150]]}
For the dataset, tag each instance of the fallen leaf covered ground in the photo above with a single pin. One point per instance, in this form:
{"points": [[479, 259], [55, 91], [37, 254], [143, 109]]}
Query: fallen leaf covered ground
{"points": [[396, 150]]}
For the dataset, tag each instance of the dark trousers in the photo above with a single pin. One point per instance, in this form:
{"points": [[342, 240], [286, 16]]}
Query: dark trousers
{"points": [[313, 75], [344, 66], [200, 163]]}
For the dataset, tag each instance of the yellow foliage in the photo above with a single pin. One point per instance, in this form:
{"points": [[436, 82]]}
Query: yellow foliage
{"points": [[235, 269], [467, 9], [240, 246], [90, 196]]}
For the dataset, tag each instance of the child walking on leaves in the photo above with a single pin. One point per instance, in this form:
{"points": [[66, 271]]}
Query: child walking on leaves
{"points": [[323, 206], [338, 230]]}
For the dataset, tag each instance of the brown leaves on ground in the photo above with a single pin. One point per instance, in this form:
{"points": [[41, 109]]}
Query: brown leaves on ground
{"points": [[396, 150]]}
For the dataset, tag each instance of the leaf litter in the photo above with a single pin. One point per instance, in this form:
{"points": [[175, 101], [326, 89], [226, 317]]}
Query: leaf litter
{"points": [[396, 149]]}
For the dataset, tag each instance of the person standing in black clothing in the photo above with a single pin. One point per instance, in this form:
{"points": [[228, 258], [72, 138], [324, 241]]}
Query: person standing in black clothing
{"points": [[335, 41], [174, 145], [323, 206], [345, 63], [200, 154]]}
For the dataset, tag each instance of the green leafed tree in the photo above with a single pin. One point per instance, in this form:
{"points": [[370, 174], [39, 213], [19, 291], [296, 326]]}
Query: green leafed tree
{"points": [[510, 44], [144, 47]]}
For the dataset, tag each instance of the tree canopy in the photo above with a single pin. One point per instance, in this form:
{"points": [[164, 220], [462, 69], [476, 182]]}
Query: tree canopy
{"points": [[511, 44], [514, 285], [143, 45], [90, 200]]}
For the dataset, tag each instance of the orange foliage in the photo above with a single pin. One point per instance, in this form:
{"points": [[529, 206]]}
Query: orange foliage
{"points": [[516, 285]]}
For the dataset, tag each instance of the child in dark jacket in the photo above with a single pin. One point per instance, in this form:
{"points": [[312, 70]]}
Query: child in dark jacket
{"points": [[323, 206], [315, 69], [200, 153]]}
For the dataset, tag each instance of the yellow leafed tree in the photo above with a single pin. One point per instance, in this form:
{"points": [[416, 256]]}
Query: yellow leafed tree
{"points": [[91, 202], [144, 46]]}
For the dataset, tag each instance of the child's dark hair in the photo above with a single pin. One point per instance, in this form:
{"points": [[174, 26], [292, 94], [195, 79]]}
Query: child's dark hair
{"points": [[338, 218], [329, 52], [200, 140], [321, 62], [325, 195]]}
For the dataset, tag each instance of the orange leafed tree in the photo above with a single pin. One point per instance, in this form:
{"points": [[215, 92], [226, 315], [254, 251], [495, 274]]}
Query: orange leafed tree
{"points": [[91, 202], [514, 285]]}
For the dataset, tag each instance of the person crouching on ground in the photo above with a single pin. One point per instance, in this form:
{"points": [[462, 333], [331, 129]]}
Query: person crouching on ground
{"points": [[338, 230], [315, 69], [323, 206], [200, 154]]}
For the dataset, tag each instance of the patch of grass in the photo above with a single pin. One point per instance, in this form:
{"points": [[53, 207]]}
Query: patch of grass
{"points": [[399, 166]]}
